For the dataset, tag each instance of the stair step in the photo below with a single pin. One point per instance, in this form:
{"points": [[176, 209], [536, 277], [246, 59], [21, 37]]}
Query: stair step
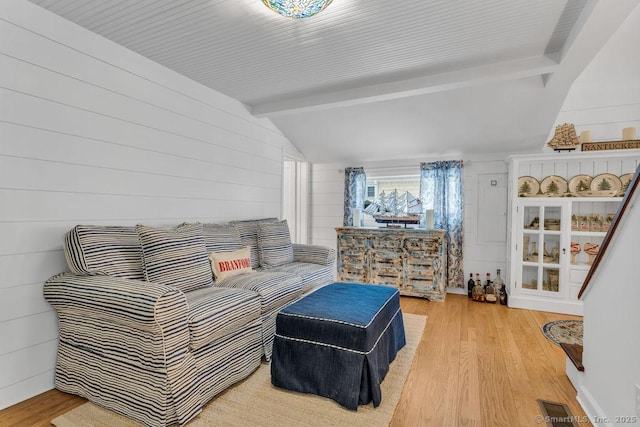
{"points": [[574, 352]]}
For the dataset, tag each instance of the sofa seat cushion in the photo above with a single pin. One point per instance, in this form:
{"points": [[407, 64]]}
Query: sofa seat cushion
{"points": [[215, 312], [313, 275], [275, 288], [104, 250]]}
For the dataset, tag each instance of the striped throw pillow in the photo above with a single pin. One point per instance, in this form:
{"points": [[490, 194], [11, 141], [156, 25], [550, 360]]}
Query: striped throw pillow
{"points": [[175, 256], [274, 244], [228, 264], [104, 250], [248, 230], [221, 238]]}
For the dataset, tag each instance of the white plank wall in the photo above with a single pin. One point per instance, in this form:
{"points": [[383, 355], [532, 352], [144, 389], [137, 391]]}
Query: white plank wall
{"points": [[484, 251], [605, 98], [93, 133], [327, 202]]}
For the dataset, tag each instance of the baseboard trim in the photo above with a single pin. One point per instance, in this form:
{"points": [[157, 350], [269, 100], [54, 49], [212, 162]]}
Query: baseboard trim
{"points": [[591, 407], [542, 304]]}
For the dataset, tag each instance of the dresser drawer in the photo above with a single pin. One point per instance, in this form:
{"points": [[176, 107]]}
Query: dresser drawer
{"points": [[421, 274], [354, 258], [385, 243], [426, 245], [354, 242], [419, 263], [422, 283], [393, 279], [353, 274]]}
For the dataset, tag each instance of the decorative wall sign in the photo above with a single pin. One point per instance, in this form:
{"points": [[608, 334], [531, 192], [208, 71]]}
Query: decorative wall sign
{"points": [[610, 145]]}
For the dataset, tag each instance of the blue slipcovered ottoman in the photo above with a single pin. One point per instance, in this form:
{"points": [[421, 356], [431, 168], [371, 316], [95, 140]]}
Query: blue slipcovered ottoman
{"points": [[338, 342]]}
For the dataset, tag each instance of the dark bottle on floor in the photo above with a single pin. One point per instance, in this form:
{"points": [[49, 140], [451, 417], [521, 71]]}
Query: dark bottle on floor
{"points": [[498, 282], [487, 282], [470, 284]]}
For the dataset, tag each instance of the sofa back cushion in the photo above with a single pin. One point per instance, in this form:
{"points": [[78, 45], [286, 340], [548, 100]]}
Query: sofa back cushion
{"points": [[221, 238], [248, 230], [104, 250], [274, 244], [175, 256]]}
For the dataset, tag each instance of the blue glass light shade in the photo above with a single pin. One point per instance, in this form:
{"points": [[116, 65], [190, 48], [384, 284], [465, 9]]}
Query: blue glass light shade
{"points": [[297, 8]]}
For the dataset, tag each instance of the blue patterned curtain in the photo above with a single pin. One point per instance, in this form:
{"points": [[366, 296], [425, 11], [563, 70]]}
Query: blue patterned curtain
{"points": [[355, 181], [441, 190]]}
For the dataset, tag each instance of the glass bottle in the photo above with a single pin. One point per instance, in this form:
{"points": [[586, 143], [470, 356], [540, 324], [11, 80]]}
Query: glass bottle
{"points": [[470, 284], [490, 291], [478, 292], [499, 283]]}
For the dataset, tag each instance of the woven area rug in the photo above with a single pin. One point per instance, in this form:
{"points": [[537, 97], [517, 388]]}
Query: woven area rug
{"points": [[566, 331], [255, 402]]}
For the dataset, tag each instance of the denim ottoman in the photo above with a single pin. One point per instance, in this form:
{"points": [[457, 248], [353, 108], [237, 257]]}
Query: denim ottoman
{"points": [[338, 342]]}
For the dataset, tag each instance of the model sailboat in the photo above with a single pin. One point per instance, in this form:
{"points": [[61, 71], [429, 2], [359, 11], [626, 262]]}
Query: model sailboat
{"points": [[395, 208], [564, 138]]}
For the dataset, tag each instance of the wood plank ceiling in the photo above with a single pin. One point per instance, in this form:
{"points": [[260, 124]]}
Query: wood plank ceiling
{"points": [[354, 54]]}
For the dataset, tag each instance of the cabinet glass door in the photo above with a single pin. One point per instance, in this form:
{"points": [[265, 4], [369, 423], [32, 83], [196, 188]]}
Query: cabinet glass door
{"points": [[541, 243]]}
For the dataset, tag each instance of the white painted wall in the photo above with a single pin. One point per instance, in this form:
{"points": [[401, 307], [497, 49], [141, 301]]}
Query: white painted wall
{"points": [[605, 98], [485, 206], [93, 133], [611, 354]]}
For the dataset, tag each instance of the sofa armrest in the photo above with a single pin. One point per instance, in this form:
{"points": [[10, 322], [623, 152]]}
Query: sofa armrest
{"points": [[314, 254], [137, 304], [111, 327]]}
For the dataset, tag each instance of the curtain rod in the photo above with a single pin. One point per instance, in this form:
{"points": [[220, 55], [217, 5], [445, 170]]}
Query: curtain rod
{"points": [[465, 162]]}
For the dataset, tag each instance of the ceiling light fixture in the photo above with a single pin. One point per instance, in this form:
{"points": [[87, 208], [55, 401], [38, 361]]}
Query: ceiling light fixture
{"points": [[297, 8]]}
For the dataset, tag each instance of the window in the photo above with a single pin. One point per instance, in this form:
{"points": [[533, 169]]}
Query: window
{"points": [[378, 185], [371, 192]]}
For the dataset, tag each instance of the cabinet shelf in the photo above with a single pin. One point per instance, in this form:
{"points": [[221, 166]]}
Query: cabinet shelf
{"points": [[534, 231], [573, 199], [579, 266], [589, 233]]}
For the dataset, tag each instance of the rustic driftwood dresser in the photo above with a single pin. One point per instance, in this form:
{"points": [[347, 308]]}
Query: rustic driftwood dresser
{"points": [[413, 260]]}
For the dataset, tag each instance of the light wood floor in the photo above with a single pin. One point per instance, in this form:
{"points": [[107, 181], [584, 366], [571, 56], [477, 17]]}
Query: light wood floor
{"points": [[482, 365], [477, 364]]}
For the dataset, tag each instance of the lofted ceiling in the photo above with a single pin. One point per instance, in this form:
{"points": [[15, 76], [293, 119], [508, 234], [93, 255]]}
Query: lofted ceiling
{"points": [[367, 80]]}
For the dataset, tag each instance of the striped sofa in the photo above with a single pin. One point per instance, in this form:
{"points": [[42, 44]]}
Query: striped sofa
{"points": [[147, 331]]}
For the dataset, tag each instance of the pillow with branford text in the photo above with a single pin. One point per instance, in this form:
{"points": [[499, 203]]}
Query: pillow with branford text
{"points": [[227, 264]]}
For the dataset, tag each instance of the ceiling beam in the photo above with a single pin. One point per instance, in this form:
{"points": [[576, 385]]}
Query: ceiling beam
{"points": [[595, 26], [502, 71]]}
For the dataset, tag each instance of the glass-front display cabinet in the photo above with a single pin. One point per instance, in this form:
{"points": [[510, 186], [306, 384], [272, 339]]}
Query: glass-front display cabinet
{"points": [[561, 207], [541, 248]]}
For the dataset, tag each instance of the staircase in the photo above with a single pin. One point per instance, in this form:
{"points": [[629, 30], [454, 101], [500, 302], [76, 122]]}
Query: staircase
{"points": [[574, 367]]}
